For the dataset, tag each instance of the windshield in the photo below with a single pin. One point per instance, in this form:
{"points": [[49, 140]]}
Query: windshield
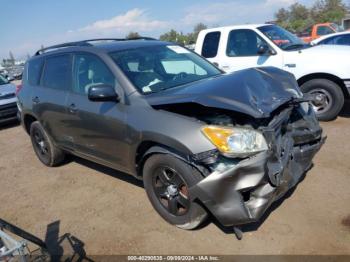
{"points": [[282, 38], [155, 68], [3, 80]]}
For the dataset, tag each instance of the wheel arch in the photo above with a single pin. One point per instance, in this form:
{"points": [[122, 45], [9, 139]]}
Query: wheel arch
{"points": [[327, 76], [28, 119], [148, 148]]}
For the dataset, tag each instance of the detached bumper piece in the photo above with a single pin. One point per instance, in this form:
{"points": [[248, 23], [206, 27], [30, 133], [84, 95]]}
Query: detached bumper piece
{"points": [[8, 112], [240, 191]]}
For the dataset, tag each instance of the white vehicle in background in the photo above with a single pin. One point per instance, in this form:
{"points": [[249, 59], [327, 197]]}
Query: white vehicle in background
{"points": [[323, 71], [342, 38]]}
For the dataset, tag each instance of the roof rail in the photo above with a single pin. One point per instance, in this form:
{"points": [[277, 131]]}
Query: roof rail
{"points": [[119, 39], [141, 38], [87, 43], [80, 43]]}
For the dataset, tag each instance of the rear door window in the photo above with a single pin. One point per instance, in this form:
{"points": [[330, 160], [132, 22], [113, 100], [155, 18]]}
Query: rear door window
{"points": [[211, 44], [34, 71], [243, 42], [57, 72]]}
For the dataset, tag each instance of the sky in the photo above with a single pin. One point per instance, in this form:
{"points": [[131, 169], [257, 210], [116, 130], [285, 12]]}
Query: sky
{"points": [[25, 25]]}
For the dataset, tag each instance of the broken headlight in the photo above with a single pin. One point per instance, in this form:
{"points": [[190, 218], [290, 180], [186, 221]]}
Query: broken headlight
{"points": [[235, 141]]}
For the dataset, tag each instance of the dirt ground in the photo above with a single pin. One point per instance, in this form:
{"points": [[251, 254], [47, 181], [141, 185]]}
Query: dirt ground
{"points": [[106, 212]]}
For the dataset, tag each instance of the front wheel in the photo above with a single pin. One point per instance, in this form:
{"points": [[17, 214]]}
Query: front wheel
{"points": [[167, 180], [328, 98]]}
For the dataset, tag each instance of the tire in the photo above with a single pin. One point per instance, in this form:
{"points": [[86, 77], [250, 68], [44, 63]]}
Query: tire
{"points": [[43, 147], [325, 111], [188, 216]]}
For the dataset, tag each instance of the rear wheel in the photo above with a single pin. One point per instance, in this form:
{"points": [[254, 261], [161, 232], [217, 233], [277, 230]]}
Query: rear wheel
{"points": [[167, 180], [329, 98], [45, 150]]}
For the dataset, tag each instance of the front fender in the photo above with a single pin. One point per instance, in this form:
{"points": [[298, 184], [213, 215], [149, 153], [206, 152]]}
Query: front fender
{"points": [[164, 150]]}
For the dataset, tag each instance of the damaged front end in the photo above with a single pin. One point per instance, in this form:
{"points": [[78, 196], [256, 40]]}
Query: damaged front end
{"points": [[239, 190], [273, 116]]}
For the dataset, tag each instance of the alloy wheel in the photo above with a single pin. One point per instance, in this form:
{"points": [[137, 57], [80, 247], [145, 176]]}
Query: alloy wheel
{"points": [[171, 190], [40, 143]]}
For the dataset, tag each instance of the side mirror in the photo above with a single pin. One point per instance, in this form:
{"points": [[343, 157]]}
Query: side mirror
{"points": [[102, 93], [264, 49]]}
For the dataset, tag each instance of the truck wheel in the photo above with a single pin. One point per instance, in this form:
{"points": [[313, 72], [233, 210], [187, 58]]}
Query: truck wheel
{"points": [[45, 150], [167, 180], [329, 98]]}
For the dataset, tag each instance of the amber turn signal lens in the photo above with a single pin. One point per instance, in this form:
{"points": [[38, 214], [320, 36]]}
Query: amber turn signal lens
{"points": [[218, 136]]}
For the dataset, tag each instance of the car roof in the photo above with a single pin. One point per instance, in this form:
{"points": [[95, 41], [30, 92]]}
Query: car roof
{"points": [[316, 41], [103, 46], [128, 44], [231, 27]]}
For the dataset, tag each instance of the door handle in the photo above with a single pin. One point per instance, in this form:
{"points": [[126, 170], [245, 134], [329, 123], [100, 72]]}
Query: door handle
{"points": [[73, 109], [291, 65], [36, 100]]}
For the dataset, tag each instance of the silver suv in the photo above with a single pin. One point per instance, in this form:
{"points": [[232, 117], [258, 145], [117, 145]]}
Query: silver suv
{"points": [[8, 106]]}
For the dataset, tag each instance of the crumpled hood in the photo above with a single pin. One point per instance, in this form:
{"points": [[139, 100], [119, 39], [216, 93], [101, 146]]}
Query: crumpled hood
{"points": [[256, 92]]}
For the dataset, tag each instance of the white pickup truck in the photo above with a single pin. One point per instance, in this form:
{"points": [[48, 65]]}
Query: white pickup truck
{"points": [[323, 71]]}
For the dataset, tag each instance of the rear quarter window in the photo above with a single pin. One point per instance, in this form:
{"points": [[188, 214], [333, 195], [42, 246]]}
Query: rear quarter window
{"points": [[58, 72], [34, 71], [211, 44]]}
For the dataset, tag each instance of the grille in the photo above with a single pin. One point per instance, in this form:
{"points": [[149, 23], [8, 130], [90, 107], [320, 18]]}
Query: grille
{"points": [[8, 110]]}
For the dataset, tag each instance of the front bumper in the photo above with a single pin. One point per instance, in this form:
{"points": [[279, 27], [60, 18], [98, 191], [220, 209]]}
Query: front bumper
{"points": [[243, 190]]}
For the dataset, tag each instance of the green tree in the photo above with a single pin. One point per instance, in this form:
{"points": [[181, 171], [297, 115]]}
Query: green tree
{"points": [[181, 38], [328, 11], [297, 17], [192, 37], [298, 12], [282, 15], [171, 36], [132, 35]]}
